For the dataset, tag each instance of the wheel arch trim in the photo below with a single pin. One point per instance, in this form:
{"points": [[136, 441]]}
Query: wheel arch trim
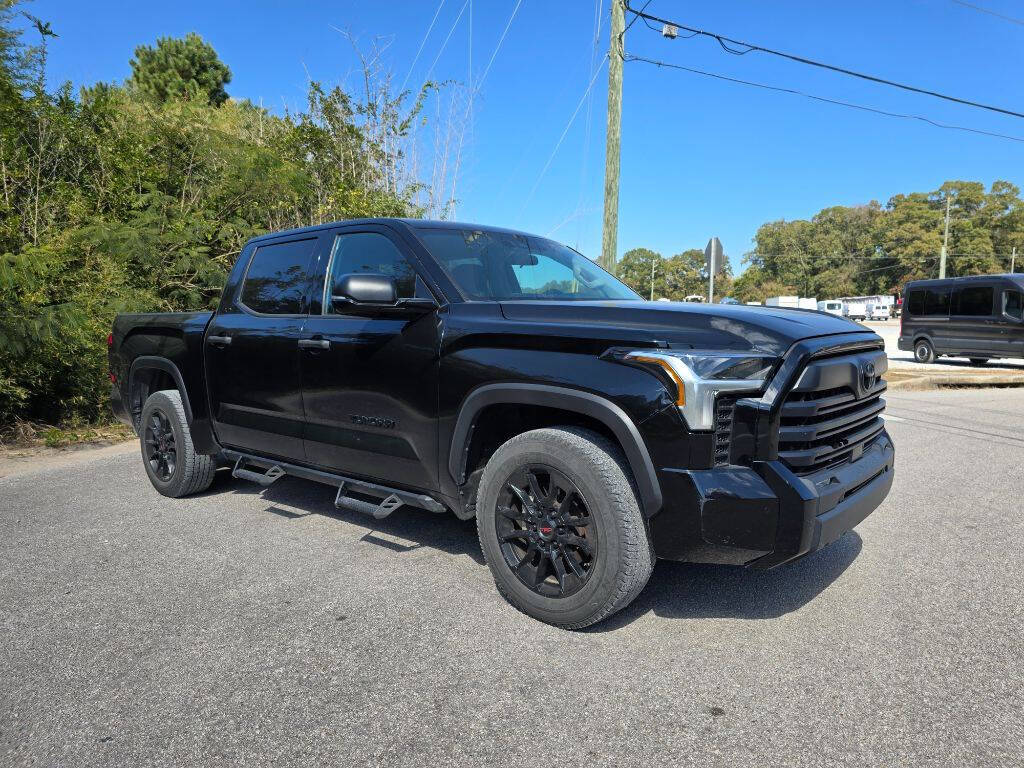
{"points": [[152, 362], [563, 398]]}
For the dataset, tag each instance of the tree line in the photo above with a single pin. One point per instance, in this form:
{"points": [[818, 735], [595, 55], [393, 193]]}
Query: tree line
{"points": [[138, 197], [856, 250]]}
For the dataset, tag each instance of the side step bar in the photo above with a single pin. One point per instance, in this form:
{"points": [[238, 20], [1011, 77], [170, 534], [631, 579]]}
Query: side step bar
{"points": [[390, 498], [263, 478]]}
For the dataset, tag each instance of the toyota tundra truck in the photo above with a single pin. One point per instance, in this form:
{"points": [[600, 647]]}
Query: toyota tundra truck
{"points": [[496, 375]]}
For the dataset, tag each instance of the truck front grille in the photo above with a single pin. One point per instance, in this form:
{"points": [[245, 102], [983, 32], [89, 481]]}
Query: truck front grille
{"points": [[834, 412]]}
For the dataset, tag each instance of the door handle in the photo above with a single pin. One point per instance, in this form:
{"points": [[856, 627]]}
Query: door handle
{"points": [[220, 341], [314, 344]]}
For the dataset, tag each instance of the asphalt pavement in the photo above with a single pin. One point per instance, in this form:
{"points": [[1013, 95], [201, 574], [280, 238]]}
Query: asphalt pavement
{"points": [[258, 627]]}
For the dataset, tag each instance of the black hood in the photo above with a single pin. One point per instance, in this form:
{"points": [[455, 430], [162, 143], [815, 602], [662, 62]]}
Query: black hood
{"points": [[705, 326]]}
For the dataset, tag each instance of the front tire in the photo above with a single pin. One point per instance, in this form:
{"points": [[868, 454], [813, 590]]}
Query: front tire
{"points": [[561, 528], [923, 351], [170, 459]]}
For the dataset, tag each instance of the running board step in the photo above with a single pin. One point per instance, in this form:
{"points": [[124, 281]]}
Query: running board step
{"points": [[390, 498], [263, 478]]}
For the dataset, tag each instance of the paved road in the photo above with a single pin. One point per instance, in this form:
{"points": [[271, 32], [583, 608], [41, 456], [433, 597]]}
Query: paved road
{"points": [[251, 628]]}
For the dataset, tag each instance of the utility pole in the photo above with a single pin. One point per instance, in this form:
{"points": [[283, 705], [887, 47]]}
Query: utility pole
{"points": [[1013, 259], [945, 243], [616, 46], [653, 257]]}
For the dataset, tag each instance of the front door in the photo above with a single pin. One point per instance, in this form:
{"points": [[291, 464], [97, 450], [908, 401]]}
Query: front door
{"points": [[1011, 323], [370, 375], [252, 354]]}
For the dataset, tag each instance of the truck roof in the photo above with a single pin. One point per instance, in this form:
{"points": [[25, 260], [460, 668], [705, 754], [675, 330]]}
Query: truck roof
{"points": [[1017, 278], [411, 223]]}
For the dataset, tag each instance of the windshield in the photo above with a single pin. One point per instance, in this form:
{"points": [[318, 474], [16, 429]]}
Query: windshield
{"points": [[501, 266]]}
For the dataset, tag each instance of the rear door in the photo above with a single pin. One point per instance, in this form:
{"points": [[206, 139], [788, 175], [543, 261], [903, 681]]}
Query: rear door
{"points": [[370, 374], [251, 351]]}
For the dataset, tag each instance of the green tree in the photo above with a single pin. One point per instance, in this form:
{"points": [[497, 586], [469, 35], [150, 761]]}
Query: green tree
{"points": [[635, 269], [180, 68]]}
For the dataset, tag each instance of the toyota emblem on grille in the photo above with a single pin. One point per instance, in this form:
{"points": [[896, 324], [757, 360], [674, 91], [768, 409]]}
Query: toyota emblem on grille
{"points": [[867, 376]]}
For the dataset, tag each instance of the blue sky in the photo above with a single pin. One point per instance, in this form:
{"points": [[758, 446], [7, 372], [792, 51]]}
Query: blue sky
{"points": [[700, 157]]}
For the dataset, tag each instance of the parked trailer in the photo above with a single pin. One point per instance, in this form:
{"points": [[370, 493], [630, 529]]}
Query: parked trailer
{"points": [[792, 302], [855, 310], [832, 306], [877, 312]]}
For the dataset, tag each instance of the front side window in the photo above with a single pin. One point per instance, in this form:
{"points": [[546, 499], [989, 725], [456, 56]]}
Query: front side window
{"points": [[489, 265], [936, 301], [369, 253], [1013, 304], [975, 301], [276, 278]]}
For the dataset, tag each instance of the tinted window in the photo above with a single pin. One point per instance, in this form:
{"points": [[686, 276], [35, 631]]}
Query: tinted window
{"points": [[370, 253], [915, 303], [1013, 304], [936, 301], [275, 280], [489, 264], [975, 300]]}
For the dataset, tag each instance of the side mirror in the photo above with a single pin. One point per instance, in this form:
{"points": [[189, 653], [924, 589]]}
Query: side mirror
{"points": [[366, 289]]}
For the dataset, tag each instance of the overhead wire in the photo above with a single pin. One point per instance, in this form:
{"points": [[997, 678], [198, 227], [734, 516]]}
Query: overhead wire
{"points": [[824, 99], [727, 44]]}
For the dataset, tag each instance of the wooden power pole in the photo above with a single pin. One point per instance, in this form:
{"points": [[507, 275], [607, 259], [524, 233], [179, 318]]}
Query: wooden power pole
{"points": [[616, 46], [945, 244]]}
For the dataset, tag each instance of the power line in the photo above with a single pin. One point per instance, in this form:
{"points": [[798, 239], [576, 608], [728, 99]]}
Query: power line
{"points": [[837, 102], [445, 43], [422, 43], [585, 164], [727, 42], [989, 12], [561, 138], [498, 46]]}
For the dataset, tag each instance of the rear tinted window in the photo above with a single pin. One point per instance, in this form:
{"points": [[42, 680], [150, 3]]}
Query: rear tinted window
{"points": [[915, 303], [975, 300], [275, 280], [936, 301]]}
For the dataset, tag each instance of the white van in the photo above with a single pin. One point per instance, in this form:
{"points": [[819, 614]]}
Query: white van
{"points": [[833, 307]]}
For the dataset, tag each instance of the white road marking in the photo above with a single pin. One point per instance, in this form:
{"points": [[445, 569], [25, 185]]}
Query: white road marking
{"points": [[887, 417]]}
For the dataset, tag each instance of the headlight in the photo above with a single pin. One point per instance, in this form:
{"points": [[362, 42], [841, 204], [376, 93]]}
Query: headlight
{"points": [[699, 376]]}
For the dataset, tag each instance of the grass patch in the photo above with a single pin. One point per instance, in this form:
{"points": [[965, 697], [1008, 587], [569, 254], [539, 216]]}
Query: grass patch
{"points": [[27, 434]]}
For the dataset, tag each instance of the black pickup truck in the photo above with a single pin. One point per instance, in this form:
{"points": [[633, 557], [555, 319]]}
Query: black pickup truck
{"points": [[502, 376]]}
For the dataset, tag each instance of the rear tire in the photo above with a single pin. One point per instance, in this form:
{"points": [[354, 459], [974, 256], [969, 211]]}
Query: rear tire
{"points": [[924, 352], [170, 459], [979, 361], [580, 519]]}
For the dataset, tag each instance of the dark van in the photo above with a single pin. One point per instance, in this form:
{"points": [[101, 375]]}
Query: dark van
{"points": [[975, 317]]}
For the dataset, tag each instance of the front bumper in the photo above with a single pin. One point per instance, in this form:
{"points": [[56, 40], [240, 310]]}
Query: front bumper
{"points": [[765, 514]]}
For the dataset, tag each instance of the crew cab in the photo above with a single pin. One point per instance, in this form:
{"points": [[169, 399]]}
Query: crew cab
{"points": [[495, 375]]}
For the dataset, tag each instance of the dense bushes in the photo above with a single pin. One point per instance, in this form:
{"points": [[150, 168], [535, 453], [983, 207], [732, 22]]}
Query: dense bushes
{"points": [[139, 197]]}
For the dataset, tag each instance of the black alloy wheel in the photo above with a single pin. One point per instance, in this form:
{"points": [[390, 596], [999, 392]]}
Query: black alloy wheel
{"points": [[161, 448], [545, 532]]}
